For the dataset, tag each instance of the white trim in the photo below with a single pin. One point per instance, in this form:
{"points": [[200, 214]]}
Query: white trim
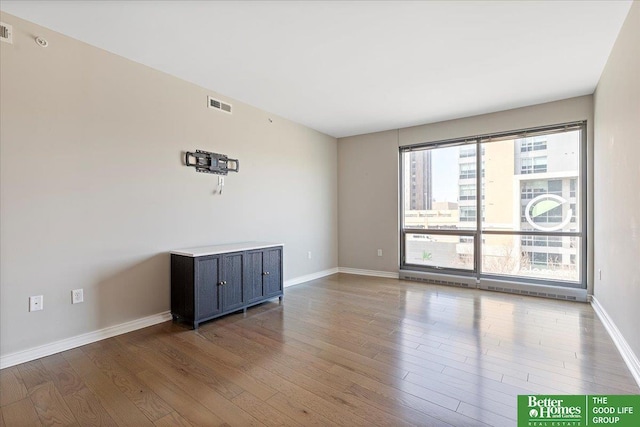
{"points": [[308, 277], [320, 274], [80, 340], [386, 274], [623, 347]]}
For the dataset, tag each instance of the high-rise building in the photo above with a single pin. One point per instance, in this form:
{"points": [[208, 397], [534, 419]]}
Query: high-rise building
{"points": [[420, 195], [517, 175]]}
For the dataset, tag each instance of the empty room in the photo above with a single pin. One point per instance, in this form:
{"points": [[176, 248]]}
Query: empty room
{"points": [[295, 213]]}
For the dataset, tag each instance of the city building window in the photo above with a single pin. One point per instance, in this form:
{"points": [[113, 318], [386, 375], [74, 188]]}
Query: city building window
{"points": [[467, 152], [542, 241], [532, 144], [542, 259], [554, 187], [533, 165], [467, 170], [467, 214], [468, 192], [531, 189]]}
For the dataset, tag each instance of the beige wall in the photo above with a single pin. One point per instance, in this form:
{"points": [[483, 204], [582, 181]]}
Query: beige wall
{"points": [[94, 193], [617, 182], [368, 175], [368, 201]]}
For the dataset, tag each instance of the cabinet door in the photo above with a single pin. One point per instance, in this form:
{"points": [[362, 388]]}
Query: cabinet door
{"points": [[231, 290], [207, 277], [252, 277], [272, 265]]}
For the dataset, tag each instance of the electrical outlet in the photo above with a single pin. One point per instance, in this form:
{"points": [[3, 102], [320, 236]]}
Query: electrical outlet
{"points": [[36, 303], [379, 252], [77, 296], [309, 255]]}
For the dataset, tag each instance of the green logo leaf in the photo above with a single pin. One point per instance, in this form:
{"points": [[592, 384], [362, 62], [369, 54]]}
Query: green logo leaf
{"points": [[543, 207]]}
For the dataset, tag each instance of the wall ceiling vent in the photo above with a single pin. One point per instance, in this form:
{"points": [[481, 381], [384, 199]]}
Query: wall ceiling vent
{"points": [[218, 105], [6, 33]]}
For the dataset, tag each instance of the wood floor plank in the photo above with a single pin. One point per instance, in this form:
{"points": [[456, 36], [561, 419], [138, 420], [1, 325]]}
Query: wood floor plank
{"points": [[117, 405], [119, 354], [334, 405], [197, 387], [21, 414], [430, 407], [173, 420], [65, 379], [193, 411], [87, 409], [173, 358], [322, 383], [262, 411], [33, 374], [493, 400], [50, 406], [298, 411], [229, 373], [404, 410], [12, 387], [334, 394], [285, 350], [215, 352], [485, 416], [148, 402]]}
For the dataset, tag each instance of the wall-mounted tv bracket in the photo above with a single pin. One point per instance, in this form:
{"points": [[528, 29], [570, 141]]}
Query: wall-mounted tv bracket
{"points": [[207, 162]]}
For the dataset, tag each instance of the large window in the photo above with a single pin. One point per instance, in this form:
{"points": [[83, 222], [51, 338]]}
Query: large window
{"points": [[521, 218]]}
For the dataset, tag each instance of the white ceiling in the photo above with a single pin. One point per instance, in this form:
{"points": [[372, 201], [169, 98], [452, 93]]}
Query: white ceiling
{"points": [[353, 67]]}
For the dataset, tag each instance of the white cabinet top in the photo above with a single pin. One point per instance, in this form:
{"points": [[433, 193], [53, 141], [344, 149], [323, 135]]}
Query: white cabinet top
{"points": [[222, 249]]}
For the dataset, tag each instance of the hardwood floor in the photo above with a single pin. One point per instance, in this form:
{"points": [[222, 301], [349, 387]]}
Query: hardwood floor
{"points": [[344, 350]]}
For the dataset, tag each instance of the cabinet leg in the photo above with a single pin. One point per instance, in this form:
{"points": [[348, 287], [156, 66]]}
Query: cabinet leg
{"points": [[195, 325], [280, 299], [244, 310]]}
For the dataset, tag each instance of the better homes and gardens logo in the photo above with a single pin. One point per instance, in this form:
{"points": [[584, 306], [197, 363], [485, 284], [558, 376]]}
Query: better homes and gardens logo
{"points": [[578, 410], [554, 410]]}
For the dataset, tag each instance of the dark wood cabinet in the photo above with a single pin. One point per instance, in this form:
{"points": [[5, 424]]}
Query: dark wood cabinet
{"points": [[272, 274], [208, 282], [231, 289], [263, 274], [207, 279], [252, 281]]}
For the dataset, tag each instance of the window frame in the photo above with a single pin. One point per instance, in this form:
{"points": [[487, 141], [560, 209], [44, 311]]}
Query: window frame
{"points": [[477, 233]]}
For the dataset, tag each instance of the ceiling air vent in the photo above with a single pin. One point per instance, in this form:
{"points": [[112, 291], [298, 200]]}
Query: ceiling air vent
{"points": [[6, 33], [218, 105]]}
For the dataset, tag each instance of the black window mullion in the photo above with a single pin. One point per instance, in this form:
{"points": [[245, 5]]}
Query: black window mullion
{"points": [[479, 193]]}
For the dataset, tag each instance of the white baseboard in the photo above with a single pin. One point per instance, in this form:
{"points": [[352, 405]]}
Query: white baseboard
{"points": [[80, 340], [386, 274], [320, 274], [308, 277], [625, 350]]}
